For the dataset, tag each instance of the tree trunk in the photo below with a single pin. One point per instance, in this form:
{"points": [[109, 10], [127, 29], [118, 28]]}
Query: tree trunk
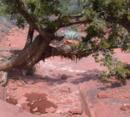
{"points": [[29, 36], [26, 57]]}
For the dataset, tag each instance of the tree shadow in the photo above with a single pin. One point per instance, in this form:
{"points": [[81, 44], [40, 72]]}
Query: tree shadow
{"points": [[110, 86], [73, 78], [35, 78], [87, 76], [60, 78]]}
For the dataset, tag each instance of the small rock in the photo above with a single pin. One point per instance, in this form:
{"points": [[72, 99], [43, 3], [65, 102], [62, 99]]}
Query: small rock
{"points": [[35, 109], [11, 100], [103, 95], [64, 77], [127, 96], [125, 107], [75, 111], [51, 110], [65, 89]]}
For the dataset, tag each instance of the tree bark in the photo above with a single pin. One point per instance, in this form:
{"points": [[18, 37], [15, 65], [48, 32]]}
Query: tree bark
{"points": [[30, 18], [26, 57], [38, 50], [29, 36]]}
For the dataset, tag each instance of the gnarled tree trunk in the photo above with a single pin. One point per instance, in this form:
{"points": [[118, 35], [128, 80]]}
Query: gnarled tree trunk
{"points": [[26, 57]]}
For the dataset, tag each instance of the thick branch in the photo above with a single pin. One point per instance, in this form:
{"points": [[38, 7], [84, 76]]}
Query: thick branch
{"points": [[70, 50], [72, 23]]}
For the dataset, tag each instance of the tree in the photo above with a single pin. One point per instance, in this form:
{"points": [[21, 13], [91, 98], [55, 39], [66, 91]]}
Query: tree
{"points": [[107, 23]]}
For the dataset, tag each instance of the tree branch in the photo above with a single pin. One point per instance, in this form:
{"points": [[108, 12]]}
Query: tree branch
{"points": [[30, 18], [72, 23]]}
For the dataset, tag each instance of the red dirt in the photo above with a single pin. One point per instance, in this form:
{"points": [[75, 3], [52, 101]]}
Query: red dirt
{"points": [[54, 90], [36, 102]]}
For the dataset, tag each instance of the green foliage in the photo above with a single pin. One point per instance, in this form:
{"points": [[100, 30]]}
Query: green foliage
{"points": [[115, 68], [96, 28], [2, 9]]}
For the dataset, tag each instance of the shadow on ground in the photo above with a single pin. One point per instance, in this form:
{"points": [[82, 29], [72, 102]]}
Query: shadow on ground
{"points": [[58, 78]]}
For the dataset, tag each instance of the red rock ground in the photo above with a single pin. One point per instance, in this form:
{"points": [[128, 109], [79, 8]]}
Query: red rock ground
{"points": [[62, 88]]}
